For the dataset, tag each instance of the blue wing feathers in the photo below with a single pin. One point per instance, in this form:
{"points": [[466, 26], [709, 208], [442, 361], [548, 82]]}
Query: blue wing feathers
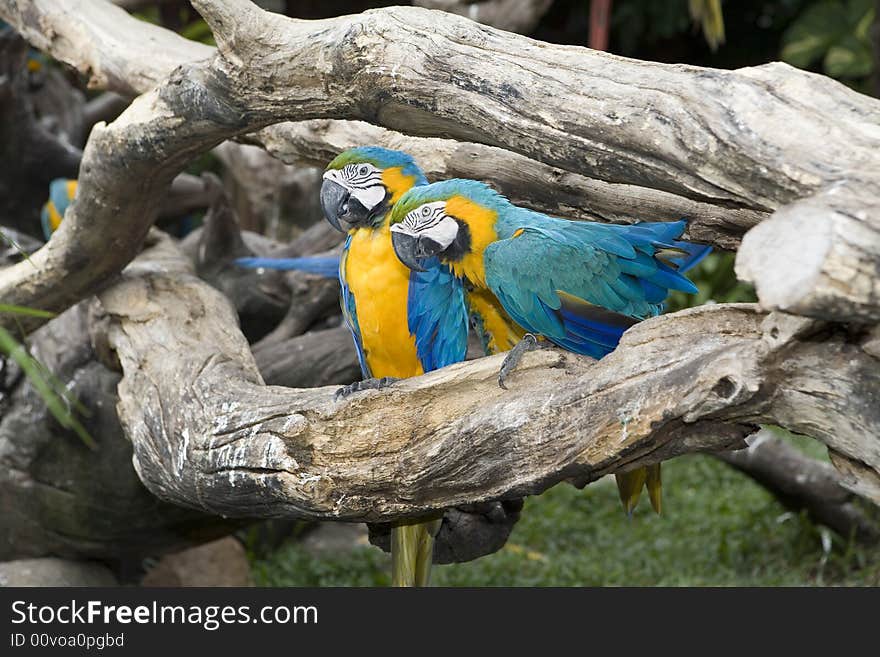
{"points": [[581, 285]]}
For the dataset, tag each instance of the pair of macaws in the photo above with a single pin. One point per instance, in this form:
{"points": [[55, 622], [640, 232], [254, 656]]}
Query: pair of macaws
{"points": [[421, 260]]}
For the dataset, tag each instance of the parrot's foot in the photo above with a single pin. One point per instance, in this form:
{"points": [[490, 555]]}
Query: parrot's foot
{"points": [[529, 342], [366, 384]]}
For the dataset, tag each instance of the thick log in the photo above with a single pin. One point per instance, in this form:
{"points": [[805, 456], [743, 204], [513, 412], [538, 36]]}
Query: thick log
{"points": [[111, 49], [207, 433], [830, 244], [61, 498]]}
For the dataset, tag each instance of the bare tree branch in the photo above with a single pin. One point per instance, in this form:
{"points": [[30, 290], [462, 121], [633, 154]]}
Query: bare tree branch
{"points": [[830, 244]]}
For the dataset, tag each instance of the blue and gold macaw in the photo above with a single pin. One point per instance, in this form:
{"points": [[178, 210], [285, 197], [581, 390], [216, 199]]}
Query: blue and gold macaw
{"points": [[61, 193], [403, 323], [577, 284]]}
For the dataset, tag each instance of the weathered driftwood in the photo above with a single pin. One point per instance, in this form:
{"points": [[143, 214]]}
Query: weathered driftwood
{"points": [[830, 244], [752, 139], [803, 483], [60, 497]]}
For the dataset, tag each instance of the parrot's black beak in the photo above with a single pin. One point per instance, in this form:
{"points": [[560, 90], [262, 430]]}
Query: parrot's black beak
{"points": [[411, 250], [342, 210]]}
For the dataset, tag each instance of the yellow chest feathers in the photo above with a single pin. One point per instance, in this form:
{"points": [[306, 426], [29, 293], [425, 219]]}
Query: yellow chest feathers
{"points": [[379, 283]]}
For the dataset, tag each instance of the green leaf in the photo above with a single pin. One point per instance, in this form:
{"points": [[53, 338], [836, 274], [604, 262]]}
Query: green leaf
{"points": [[55, 396], [861, 17], [21, 310], [814, 32], [849, 59], [15, 245]]}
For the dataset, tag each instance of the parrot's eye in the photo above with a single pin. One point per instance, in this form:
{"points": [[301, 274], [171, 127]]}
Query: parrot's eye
{"points": [[364, 170], [426, 211]]}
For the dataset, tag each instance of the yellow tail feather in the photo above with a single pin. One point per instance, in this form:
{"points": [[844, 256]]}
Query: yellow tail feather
{"points": [[654, 486], [412, 551], [629, 485]]}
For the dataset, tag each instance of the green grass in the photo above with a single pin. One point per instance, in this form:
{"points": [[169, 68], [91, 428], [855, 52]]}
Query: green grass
{"points": [[718, 528]]}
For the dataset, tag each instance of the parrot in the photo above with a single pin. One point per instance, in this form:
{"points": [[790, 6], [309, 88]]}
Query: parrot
{"points": [[577, 284], [61, 193], [403, 322]]}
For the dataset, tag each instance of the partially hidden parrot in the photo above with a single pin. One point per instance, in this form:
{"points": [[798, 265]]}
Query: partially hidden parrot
{"points": [[403, 322], [61, 193], [577, 284]]}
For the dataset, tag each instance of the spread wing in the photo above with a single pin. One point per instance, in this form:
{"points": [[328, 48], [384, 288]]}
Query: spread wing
{"points": [[581, 285], [437, 316]]}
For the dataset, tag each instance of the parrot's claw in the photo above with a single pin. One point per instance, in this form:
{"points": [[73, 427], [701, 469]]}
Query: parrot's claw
{"points": [[529, 342], [367, 384]]}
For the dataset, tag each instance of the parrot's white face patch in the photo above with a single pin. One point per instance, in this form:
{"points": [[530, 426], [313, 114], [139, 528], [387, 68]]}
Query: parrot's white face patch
{"points": [[363, 181], [431, 221]]}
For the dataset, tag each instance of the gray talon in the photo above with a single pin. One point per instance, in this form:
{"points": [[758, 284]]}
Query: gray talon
{"points": [[529, 342], [367, 384]]}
